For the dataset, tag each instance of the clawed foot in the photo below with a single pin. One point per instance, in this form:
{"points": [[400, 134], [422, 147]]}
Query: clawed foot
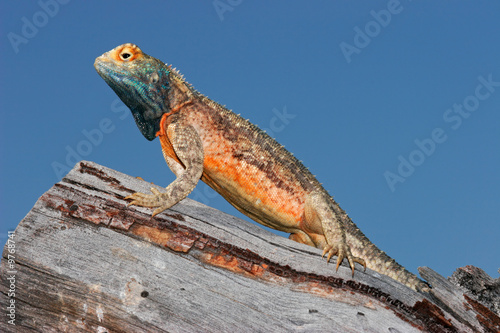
{"points": [[342, 251], [157, 199]]}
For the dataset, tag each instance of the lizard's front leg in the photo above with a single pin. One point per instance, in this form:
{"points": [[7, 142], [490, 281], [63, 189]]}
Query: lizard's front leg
{"points": [[319, 213], [188, 148]]}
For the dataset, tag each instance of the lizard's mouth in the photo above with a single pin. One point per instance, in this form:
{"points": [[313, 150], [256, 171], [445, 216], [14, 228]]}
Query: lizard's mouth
{"points": [[103, 66], [126, 88]]}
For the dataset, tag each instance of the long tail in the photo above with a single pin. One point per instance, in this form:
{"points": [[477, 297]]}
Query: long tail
{"points": [[377, 259]]}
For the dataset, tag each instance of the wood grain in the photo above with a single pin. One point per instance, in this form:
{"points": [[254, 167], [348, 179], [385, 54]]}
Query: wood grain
{"points": [[85, 262]]}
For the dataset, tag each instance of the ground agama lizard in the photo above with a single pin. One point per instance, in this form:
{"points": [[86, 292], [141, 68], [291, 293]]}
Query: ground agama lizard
{"points": [[203, 140]]}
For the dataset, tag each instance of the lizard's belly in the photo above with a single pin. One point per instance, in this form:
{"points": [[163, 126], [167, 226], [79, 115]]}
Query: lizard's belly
{"points": [[265, 196]]}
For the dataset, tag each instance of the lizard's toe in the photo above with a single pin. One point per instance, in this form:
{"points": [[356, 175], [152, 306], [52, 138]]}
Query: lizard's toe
{"points": [[352, 259], [159, 210], [360, 261], [342, 252], [340, 257], [331, 250], [147, 200], [155, 191]]}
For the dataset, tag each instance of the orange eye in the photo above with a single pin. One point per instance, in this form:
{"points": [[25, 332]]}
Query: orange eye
{"points": [[126, 52]]}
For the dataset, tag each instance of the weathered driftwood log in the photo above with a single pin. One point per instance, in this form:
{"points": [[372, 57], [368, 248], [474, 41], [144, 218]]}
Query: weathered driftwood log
{"points": [[82, 261], [479, 285]]}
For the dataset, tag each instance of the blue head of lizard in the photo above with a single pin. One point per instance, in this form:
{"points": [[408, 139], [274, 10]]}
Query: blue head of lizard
{"points": [[141, 82]]}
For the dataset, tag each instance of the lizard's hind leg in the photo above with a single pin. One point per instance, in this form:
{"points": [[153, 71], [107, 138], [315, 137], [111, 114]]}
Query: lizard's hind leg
{"points": [[320, 213], [301, 237]]}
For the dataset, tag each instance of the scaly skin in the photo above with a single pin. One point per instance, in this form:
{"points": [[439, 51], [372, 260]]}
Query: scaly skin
{"points": [[203, 140]]}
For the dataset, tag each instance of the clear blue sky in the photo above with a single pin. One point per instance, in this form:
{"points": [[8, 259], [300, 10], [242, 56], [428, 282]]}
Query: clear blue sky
{"points": [[394, 106]]}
